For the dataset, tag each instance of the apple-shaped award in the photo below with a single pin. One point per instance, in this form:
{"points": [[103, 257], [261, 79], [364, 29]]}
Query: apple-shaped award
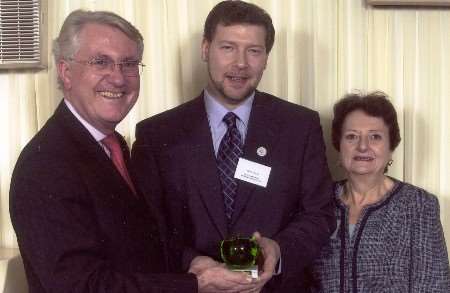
{"points": [[241, 254]]}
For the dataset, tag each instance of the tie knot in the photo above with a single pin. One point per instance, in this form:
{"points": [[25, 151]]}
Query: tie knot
{"points": [[230, 119], [112, 143]]}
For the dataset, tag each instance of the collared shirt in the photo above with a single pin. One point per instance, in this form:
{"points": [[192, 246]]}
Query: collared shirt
{"points": [[96, 134], [216, 111]]}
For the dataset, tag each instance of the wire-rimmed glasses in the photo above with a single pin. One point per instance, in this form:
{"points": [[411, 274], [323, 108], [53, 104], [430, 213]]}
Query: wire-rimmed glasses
{"points": [[105, 66]]}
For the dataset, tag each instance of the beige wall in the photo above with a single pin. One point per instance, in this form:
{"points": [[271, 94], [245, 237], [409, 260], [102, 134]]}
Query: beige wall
{"points": [[323, 49]]}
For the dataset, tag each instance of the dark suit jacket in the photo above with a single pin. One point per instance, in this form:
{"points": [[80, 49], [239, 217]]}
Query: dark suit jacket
{"points": [[175, 161], [78, 225]]}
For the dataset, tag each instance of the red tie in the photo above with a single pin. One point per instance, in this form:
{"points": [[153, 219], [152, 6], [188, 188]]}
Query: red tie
{"points": [[112, 144]]}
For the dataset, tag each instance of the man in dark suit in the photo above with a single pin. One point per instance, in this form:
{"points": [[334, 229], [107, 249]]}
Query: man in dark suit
{"points": [[236, 160], [82, 225]]}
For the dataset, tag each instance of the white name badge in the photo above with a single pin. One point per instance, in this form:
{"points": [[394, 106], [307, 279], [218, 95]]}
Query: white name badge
{"points": [[252, 172]]}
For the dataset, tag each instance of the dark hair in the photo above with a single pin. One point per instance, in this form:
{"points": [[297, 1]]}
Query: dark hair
{"points": [[238, 12], [374, 104]]}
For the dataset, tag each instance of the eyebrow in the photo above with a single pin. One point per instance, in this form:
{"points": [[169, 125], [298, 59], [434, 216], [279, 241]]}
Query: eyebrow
{"points": [[370, 130], [235, 43], [103, 56]]}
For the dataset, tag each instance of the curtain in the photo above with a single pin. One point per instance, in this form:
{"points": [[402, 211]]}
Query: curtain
{"points": [[323, 49]]}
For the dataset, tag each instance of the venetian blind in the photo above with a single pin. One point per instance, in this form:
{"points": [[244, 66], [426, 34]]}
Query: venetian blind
{"points": [[20, 43]]}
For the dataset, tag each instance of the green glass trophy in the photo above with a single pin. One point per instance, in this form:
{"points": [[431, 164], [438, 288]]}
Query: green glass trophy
{"points": [[241, 254]]}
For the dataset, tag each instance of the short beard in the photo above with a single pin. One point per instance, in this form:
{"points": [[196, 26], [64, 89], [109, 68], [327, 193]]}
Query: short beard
{"points": [[232, 100], [235, 100]]}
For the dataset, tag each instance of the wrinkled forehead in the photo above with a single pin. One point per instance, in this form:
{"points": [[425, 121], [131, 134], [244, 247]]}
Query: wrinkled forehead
{"points": [[107, 40]]}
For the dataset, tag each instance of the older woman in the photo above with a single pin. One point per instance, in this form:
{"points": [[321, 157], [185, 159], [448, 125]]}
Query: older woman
{"points": [[389, 237]]}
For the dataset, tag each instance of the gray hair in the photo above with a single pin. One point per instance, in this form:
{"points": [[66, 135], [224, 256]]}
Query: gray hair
{"points": [[67, 44]]}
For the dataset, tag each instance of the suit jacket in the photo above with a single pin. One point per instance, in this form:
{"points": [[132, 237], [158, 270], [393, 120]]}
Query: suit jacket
{"points": [[176, 164], [78, 225]]}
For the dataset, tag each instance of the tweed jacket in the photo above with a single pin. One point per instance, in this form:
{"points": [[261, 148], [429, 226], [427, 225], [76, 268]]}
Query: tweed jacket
{"points": [[397, 246]]}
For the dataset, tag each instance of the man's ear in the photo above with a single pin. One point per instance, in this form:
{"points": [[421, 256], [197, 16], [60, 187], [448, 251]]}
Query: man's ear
{"points": [[205, 50], [65, 73]]}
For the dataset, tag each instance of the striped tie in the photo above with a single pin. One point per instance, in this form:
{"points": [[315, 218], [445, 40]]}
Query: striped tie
{"points": [[230, 150]]}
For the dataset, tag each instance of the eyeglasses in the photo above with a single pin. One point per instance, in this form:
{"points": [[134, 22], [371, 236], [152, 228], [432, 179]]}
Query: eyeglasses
{"points": [[105, 66]]}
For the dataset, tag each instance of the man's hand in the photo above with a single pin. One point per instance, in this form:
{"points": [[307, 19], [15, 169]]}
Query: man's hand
{"points": [[271, 255], [213, 276]]}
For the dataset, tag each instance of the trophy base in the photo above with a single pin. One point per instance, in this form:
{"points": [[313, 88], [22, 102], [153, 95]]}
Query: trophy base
{"points": [[252, 271]]}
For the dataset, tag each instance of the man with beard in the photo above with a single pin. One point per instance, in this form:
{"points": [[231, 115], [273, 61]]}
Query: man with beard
{"points": [[237, 161]]}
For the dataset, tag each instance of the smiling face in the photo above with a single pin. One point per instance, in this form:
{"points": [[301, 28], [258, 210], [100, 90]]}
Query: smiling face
{"points": [[364, 146], [101, 99], [236, 59]]}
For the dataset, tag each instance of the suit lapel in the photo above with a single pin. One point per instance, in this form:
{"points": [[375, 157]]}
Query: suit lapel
{"points": [[92, 152], [262, 132], [202, 163]]}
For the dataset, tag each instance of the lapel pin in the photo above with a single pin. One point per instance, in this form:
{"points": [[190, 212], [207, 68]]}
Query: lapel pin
{"points": [[261, 151]]}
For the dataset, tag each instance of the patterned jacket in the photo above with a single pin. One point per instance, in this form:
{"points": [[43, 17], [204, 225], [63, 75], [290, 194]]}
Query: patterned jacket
{"points": [[397, 246]]}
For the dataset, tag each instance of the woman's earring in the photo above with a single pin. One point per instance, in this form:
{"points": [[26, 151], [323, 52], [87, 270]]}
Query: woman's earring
{"points": [[390, 162]]}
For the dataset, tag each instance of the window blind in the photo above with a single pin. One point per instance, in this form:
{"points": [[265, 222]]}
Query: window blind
{"points": [[20, 30]]}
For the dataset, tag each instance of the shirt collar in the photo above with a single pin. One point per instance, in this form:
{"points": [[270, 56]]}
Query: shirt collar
{"points": [[217, 111], [98, 135]]}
